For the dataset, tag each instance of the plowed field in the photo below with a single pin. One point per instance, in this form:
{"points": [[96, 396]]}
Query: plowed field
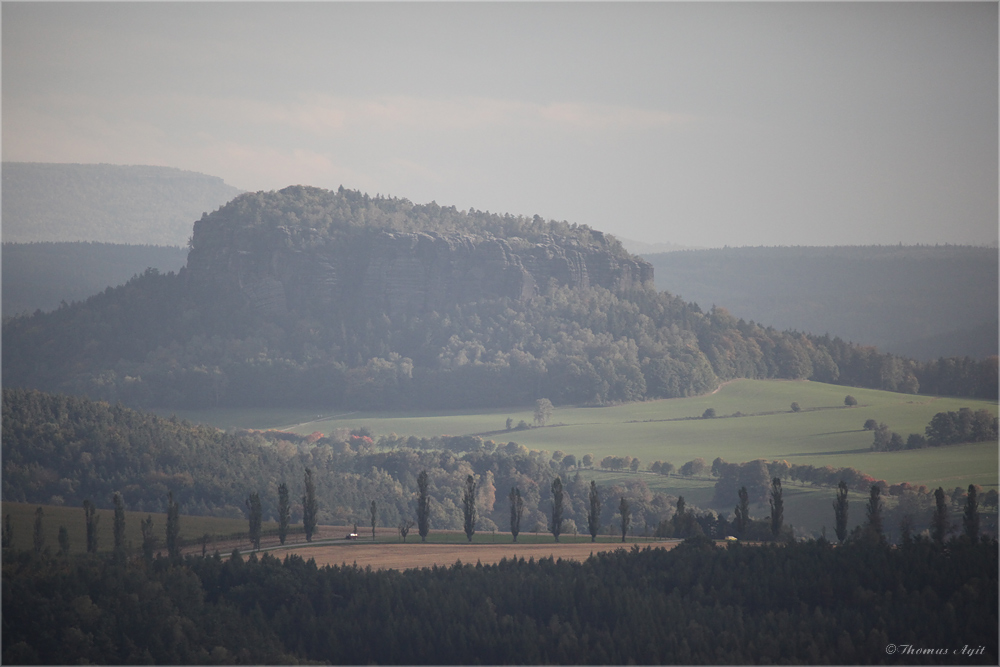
{"points": [[417, 554]]}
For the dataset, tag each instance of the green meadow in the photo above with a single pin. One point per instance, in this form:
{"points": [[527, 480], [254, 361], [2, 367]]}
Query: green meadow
{"points": [[823, 432], [754, 420]]}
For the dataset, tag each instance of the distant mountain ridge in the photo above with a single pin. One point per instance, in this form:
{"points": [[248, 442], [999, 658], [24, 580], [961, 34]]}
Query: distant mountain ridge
{"points": [[140, 205], [921, 301]]}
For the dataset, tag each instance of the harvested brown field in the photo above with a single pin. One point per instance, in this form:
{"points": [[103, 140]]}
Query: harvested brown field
{"points": [[418, 554]]}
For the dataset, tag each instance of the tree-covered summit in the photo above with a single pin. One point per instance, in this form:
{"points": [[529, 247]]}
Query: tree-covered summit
{"points": [[309, 217]]}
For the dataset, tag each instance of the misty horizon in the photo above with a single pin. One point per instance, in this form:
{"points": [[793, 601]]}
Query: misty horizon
{"points": [[697, 125]]}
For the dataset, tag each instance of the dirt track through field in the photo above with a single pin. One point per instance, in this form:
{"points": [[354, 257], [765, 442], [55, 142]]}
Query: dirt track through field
{"points": [[417, 554]]}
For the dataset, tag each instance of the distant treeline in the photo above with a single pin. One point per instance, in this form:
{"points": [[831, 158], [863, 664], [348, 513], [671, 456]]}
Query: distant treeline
{"points": [[801, 603], [945, 428]]}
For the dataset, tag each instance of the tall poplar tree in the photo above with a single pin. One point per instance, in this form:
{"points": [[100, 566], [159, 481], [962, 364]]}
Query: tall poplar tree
{"points": [[626, 514], [743, 511], [63, 541], [840, 511], [148, 538], [594, 512], [91, 519], [469, 506], [423, 506], [39, 535], [516, 511], [173, 528], [874, 512], [971, 518], [777, 508], [309, 505], [284, 512], [374, 515], [939, 522], [255, 518], [557, 507], [119, 526], [681, 518], [8, 533]]}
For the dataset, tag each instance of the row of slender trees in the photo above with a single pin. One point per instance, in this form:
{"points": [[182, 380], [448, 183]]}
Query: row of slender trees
{"points": [[683, 521], [940, 522]]}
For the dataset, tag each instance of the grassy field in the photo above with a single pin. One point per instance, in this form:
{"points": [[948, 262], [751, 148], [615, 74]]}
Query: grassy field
{"points": [[824, 432]]}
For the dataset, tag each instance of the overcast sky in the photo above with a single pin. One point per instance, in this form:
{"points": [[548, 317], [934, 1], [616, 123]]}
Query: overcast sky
{"points": [[703, 124]]}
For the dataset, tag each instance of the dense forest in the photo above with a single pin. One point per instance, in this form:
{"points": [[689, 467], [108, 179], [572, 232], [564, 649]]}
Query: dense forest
{"points": [[801, 603], [39, 276], [923, 302], [107, 203], [253, 320]]}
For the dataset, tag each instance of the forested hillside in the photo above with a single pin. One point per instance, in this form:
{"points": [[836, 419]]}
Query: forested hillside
{"points": [[109, 203], [39, 276], [310, 297], [923, 302]]}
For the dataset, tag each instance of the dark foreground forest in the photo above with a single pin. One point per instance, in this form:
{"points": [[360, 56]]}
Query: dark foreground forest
{"points": [[804, 603]]}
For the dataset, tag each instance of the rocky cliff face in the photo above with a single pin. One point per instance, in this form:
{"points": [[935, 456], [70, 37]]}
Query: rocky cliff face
{"points": [[404, 273]]}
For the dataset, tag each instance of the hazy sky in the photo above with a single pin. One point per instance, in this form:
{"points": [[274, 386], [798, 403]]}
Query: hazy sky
{"points": [[700, 124]]}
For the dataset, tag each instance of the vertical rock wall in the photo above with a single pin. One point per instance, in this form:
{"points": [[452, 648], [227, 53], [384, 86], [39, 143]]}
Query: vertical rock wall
{"points": [[405, 273]]}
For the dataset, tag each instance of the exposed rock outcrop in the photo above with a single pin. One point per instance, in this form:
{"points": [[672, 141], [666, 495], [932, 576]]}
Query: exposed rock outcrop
{"points": [[406, 273]]}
